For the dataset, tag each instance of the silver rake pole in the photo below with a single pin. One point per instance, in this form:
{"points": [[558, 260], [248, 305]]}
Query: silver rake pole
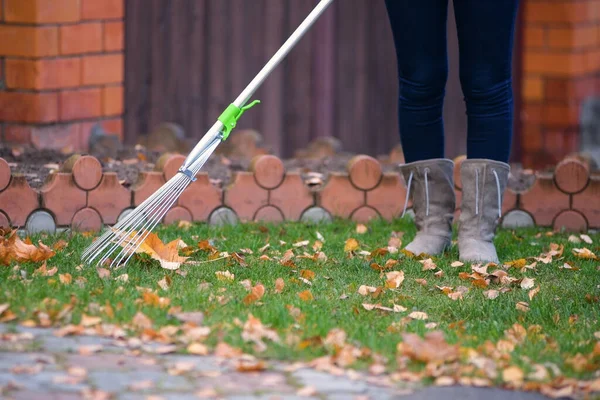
{"points": [[129, 233]]}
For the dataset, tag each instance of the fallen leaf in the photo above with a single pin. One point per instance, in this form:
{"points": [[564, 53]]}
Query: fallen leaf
{"points": [[194, 317], [394, 279], [224, 275], [103, 273], [586, 238], [166, 254], [256, 294], [365, 290], [456, 264], [585, 253], [90, 349], [88, 321], [396, 308], [65, 279], [513, 375], [198, 349], [428, 264], [574, 239], [350, 245], [361, 229], [165, 283], [307, 274], [432, 348], [527, 283], [418, 315], [306, 295], [141, 321], [239, 259], [422, 282], [12, 248], [279, 285], [247, 284], [533, 292], [491, 294], [250, 366], [302, 243], [439, 274], [122, 278], [522, 306]]}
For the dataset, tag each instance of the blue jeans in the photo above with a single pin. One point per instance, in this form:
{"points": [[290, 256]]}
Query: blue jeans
{"points": [[486, 36]]}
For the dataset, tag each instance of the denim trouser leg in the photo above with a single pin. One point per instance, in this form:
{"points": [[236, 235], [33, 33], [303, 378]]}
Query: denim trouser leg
{"points": [[486, 35]]}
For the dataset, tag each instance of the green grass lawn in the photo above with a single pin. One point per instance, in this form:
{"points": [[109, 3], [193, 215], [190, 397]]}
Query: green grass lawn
{"points": [[560, 327]]}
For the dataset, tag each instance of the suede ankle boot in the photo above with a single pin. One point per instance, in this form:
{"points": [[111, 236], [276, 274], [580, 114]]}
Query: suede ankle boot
{"points": [[483, 186], [431, 183]]}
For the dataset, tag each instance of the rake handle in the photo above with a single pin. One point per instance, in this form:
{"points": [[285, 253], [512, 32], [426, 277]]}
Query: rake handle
{"points": [[214, 132]]}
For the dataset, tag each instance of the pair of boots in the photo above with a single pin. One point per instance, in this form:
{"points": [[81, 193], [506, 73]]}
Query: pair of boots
{"points": [[431, 183]]}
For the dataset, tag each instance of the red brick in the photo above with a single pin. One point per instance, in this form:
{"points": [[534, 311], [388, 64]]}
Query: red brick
{"points": [[17, 134], [147, 183], [62, 197], [103, 69], [554, 142], [43, 74], [269, 214], [388, 198], [86, 220], [4, 174], [339, 197], [364, 215], [569, 89], [554, 63], [114, 36], [80, 104], [244, 196], [570, 221], [113, 126], [572, 176], [42, 11], [28, 41], [559, 11], [86, 170], [560, 114], [268, 171], [110, 198], [177, 214], [201, 197], [28, 107], [544, 201], [573, 37], [509, 201], [293, 197], [55, 136], [18, 201], [105, 9], [531, 113], [112, 101], [532, 89], [364, 172], [81, 38], [531, 137], [534, 36], [587, 202]]}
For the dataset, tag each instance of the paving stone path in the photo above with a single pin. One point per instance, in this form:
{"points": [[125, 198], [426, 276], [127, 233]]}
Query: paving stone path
{"points": [[36, 364]]}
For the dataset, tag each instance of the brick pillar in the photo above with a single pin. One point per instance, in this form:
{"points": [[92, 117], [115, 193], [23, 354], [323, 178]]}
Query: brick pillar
{"points": [[61, 70], [561, 62]]}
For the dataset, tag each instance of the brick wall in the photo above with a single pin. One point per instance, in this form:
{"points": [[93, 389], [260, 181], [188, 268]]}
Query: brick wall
{"points": [[61, 70], [561, 65]]}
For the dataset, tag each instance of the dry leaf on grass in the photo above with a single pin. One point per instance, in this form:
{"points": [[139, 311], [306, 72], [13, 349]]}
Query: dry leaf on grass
{"points": [[586, 238], [225, 276], [350, 245], [306, 295], [432, 348], [256, 293], [456, 264], [12, 248], [522, 306], [585, 253], [396, 308], [428, 264], [533, 292], [418, 315], [491, 294], [361, 229], [279, 285], [103, 273], [527, 283], [166, 254], [394, 279], [365, 290]]}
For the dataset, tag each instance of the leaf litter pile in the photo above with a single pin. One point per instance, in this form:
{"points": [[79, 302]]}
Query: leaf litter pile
{"points": [[339, 298]]}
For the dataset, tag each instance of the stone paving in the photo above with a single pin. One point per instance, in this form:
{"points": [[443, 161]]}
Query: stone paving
{"points": [[36, 364]]}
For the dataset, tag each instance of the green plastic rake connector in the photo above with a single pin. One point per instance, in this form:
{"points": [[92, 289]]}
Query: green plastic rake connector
{"points": [[231, 115]]}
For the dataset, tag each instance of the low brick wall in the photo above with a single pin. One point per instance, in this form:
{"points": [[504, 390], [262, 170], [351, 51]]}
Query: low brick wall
{"points": [[83, 197]]}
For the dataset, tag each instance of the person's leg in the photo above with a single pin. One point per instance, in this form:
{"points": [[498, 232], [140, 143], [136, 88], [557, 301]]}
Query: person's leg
{"points": [[419, 29], [486, 36]]}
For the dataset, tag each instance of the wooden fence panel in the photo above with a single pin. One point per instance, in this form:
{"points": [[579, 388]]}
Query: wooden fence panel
{"points": [[186, 60]]}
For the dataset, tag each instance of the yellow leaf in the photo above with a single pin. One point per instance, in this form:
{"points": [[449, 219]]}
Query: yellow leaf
{"points": [[88, 321], [197, 349], [585, 253], [513, 375], [351, 245], [224, 275], [361, 229], [166, 254], [306, 295], [12, 248]]}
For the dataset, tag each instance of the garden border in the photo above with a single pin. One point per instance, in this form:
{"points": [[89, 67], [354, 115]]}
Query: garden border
{"points": [[82, 197]]}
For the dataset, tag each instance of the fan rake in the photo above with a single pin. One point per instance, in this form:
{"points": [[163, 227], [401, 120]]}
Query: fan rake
{"points": [[121, 241]]}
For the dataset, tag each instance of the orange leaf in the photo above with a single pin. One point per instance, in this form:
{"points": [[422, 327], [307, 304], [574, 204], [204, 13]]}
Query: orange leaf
{"points": [[279, 285], [307, 274], [306, 295], [166, 254], [351, 245], [14, 249], [255, 294]]}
